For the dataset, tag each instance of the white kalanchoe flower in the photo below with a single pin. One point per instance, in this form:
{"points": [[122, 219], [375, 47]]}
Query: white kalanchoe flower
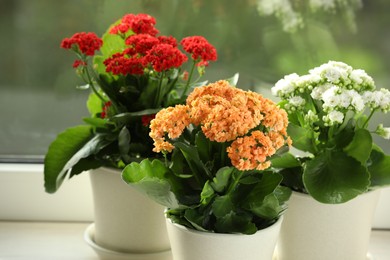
{"points": [[319, 91], [383, 131], [384, 100], [345, 99], [285, 87], [357, 76], [334, 117], [378, 99], [326, 5], [297, 101], [357, 102], [311, 117], [331, 98]]}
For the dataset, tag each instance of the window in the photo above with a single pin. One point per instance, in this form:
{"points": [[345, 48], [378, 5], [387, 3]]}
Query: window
{"points": [[38, 98], [38, 94]]}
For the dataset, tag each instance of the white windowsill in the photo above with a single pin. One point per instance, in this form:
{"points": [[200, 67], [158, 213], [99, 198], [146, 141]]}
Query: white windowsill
{"points": [[22, 197], [64, 241]]}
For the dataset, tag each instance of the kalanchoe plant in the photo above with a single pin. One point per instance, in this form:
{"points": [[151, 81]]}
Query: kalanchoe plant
{"points": [[217, 176], [132, 73], [329, 112]]}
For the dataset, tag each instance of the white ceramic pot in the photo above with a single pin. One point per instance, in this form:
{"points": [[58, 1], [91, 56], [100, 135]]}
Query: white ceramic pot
{"points": [[317, 231], [125, 220], [189, 244]]}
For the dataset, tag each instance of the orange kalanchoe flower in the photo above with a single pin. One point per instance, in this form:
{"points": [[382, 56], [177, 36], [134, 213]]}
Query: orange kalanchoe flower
{"points": [[170, 121], [253, 127]]}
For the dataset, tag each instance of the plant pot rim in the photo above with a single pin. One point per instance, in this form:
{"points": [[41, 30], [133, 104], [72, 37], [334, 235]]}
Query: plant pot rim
{"points": [[207, 233], [307, 195]]}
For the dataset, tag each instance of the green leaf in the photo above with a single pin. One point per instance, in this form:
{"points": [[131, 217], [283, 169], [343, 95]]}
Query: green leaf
{"points": [[152, 179], [124, 139], [96, 122], [302, 138], [269, 208], [207, 194], [66, 151], [222, 206], [94, 104], [235, 223], [126, 118], [112, 43], [261, 199], [233, 80], [379, 168], [286, 160], [195, 218], [334, 177], [197, 167], [360, 146], [179, 165], [221, 180], [203, 145]]}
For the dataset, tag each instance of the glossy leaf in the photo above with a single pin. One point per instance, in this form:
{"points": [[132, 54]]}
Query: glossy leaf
{"points": [[94, 104], [66, 151], [334, 177], [207, 193], [150, 178], [379, 168], [360, 146], [302, 138], [221, 180], [286, 160], [222, 206], [235, 223]]}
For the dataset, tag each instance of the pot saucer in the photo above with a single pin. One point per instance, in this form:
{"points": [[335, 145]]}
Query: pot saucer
{"points": [[369, 256], [107, 254]]}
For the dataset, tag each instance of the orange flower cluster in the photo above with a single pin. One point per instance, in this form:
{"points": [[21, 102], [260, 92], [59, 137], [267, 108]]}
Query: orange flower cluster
{"points": [[254, 125]]}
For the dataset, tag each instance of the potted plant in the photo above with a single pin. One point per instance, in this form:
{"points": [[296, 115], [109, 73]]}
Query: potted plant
{"points": [[216, 177], [132, 73], [329, 111]]}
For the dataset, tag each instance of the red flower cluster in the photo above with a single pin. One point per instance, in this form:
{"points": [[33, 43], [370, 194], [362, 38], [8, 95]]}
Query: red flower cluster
{"points": [[146, 119], [105, 109], [78, 63], [144, 50], [164, 57], [87, 43], [140, 23], [200, 49], [121, 63]]}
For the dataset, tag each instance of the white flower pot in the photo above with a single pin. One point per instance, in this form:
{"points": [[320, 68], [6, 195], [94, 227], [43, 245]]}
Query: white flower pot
{"points": [[189, 244], [126, 222], [317, 231]]}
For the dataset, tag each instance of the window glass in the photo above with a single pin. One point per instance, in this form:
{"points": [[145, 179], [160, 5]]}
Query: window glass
{"points": [[262, 40]]}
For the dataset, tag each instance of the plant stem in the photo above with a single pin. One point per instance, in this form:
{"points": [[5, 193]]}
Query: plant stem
{"points": [[157, 98], [189, 80], [235, 182], [369, 117], [90, 82]]}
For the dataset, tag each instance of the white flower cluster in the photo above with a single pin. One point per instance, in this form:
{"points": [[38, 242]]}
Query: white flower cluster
{"points": [[334, 89], [290, 17], [283, 10]]}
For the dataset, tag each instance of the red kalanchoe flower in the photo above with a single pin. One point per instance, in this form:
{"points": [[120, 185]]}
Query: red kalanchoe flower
{"points": [[105, 109], [200, 49], [87, 43], [168, 39], [140, 23], [78, 63], [141, 43], [146, 119], [122, 64], [164, 57]]}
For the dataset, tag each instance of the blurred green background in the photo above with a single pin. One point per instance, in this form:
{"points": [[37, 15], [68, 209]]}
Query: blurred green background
{"points": [[38, 95]]}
